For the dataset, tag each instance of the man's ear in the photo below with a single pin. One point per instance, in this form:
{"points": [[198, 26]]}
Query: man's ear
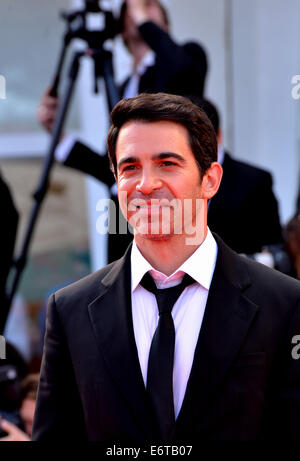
{"points": [[211, 180]]}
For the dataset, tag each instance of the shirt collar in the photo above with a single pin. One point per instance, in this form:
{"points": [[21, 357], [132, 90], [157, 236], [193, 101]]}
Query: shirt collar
{"points": [[200, 265], [148, 60]]}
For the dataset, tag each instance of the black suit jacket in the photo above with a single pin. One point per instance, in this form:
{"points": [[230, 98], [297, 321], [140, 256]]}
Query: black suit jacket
{"points": [[244, 212], [244, 383]]}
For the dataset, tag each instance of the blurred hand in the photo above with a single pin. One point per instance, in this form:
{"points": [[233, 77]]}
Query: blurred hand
{"points": [[14, 433], [47, 111]]}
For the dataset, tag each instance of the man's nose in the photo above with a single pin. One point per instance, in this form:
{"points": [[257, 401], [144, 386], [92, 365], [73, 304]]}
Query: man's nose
{"points": [[148, 183]]}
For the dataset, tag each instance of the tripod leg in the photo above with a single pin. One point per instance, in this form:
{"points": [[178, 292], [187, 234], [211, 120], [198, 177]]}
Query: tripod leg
{"points": [[112, 92], [58, 72]]}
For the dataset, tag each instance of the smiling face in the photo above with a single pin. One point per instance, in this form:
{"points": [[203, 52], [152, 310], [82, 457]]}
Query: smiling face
{"points": [[155, 162]]}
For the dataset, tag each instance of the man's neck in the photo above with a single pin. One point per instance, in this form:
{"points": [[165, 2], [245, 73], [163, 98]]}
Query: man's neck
{"points": [[166, 256]]}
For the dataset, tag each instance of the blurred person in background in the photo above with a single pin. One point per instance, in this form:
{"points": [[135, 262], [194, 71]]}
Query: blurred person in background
{"points": [[26, 411], [159, 64], [245, 198]]}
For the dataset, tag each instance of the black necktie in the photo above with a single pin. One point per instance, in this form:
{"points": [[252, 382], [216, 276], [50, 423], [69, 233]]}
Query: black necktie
{"points": [[161, 357]]}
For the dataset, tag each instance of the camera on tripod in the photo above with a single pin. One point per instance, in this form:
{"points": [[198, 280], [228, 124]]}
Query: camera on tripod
{"points": [[82, 24]]}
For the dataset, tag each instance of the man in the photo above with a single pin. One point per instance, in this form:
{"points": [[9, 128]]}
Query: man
{"points": [[159, 64], [221, 364]]}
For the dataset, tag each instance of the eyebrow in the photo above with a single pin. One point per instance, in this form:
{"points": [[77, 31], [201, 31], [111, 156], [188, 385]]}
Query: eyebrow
{"points": [[160, 156]]}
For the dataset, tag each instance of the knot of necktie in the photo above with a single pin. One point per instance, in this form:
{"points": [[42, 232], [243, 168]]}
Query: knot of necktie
{"points": [[165, 297]]}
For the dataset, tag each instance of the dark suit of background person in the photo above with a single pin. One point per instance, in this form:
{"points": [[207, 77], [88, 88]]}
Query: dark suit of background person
{"points": [[8, 231], [244, 212], [244, 383]]}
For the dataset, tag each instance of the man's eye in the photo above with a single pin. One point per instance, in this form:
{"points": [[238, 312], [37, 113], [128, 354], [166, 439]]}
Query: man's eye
{"points": [[168, 163], [129, 167]]}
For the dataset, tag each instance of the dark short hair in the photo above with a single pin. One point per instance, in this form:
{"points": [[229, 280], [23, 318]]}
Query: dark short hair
{"points": [[158, 107], [124, 9]]}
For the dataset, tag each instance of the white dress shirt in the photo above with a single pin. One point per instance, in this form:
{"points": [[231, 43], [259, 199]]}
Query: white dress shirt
{"points": [[187, 312]]}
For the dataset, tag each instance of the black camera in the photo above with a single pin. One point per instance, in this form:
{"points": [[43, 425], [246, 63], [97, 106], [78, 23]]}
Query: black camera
{"points": [[79, 27]]}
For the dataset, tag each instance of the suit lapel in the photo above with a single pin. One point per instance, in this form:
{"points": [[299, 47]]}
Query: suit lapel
{"points": [[111, 319], [228, 317]]}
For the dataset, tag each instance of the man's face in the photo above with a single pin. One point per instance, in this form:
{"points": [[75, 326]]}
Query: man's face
{"points": [[155, 168]]}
